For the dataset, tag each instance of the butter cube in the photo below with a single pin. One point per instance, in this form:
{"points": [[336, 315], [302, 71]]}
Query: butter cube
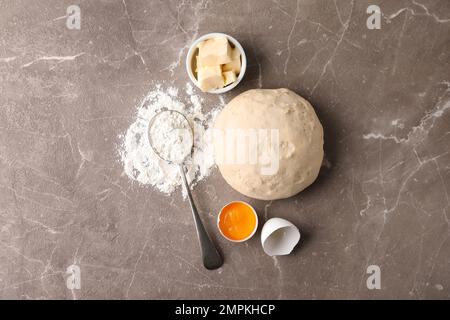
{"points": [[210, 78], [198, 64], [235, 54], [229, 77], [235, 64], [214, 52]]}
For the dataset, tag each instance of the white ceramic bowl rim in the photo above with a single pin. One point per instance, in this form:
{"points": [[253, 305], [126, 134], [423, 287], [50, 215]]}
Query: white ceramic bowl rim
{"points": [[251, 234], [236, 44]]}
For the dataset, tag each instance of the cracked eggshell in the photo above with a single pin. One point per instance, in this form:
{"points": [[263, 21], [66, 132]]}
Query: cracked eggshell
{"points": [[279, 237]]}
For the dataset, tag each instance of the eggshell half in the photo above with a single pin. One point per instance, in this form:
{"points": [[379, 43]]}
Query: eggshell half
{"points": [[279, 237]]}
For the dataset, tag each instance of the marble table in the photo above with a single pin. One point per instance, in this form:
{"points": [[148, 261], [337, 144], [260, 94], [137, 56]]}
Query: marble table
{"points": [[382, 197]]}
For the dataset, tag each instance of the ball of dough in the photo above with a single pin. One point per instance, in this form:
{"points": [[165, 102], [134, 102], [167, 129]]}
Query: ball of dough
{"points": [[286, 164]]}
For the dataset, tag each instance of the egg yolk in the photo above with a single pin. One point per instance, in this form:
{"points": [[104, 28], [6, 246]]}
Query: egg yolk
{"points": [[237, 221]]}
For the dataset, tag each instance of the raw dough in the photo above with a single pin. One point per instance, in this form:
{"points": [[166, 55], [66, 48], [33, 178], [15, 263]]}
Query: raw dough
{"points": [[300, 143]]}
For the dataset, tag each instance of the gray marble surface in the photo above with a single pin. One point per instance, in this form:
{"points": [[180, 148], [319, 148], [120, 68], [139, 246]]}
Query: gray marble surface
{"points": [[382, 197]]}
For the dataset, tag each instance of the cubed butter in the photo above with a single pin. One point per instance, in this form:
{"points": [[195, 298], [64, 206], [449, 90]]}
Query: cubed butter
{"points": [[214, 52], [235, 64], [201, 64], [235, 54], [210, 78], [229, 77], [198, 64]]}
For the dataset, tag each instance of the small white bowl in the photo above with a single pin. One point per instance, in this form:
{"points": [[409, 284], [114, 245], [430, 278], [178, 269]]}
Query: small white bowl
{"points": [[251, 234], [279, 237], [193, 49]]}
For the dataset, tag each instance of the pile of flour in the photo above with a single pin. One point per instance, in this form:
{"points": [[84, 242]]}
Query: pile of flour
{"points": [[171, 136], [140, 161]]}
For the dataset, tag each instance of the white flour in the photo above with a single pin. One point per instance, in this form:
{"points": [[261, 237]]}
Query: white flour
{"points": [[139, 160], [171, 136]]}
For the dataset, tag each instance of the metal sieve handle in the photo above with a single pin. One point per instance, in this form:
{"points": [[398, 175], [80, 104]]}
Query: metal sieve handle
{"points": [[211, 257]]}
